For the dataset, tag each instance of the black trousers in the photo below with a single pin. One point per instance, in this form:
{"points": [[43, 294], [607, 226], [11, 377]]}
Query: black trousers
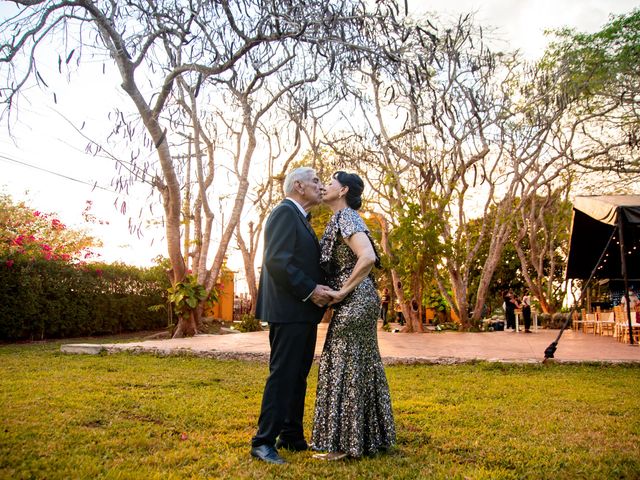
{"points": [[384, 308], [511, 318], [292, 349], [526, 315]]}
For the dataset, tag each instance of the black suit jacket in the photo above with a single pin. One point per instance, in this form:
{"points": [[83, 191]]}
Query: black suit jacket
{"points": [[291, 268]]}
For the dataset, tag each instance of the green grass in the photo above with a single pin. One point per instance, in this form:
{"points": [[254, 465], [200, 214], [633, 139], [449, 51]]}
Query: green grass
{"points": [[122, 417]]}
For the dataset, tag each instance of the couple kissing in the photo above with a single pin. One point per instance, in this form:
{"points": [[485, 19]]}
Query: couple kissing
{"points": [[300, 278]]}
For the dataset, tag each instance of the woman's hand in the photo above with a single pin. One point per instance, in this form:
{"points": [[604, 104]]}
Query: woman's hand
{"points": [[336, 296]]}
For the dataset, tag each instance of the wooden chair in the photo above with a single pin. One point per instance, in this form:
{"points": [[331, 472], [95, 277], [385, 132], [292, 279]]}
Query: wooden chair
{"points": [[605, 323], [619, 327], [576, 323], [589, 322]]}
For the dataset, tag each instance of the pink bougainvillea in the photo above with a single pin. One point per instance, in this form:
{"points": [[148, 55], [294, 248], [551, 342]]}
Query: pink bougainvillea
{"points": [[32, 234]]}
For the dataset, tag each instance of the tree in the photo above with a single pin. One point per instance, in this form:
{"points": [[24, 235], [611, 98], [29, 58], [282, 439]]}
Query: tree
{"points": [[541, 241], [31, 234], [458, 131], [415, 244], [243, 55], [432, 139], [598, 74]]}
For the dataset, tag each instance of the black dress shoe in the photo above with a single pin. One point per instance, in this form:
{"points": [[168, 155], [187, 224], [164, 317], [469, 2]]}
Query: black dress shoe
{"points": [[267, 453], [297, 446]]}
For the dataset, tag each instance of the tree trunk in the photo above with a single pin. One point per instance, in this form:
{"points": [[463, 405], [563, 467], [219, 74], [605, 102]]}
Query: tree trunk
{"points": [[498, 242], [461, 305], [187, 326], [414, 320], [533, 285], [238, 204], [248, 259]]}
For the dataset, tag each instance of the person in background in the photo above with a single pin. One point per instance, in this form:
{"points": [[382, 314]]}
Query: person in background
{"points": [[384, 305], [634, 302], [526, 312], [509, 309]]}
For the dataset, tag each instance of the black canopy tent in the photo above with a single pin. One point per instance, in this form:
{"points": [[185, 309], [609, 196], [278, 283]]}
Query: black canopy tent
{"points": [[605, 243], [595, 220]]}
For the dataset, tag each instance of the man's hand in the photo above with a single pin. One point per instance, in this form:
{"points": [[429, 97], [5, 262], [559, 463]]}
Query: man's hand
{"points": [[336, 296], [320, 295]]}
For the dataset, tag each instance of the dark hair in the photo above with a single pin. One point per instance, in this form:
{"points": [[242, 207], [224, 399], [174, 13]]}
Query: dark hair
{"points": [[356, 186]]}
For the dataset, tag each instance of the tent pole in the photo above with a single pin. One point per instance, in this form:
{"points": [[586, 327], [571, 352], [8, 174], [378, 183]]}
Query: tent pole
{"points": [[551, 349], [623, 265]]}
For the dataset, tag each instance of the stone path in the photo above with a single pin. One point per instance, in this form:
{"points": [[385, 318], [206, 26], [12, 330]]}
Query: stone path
{"points": [[441, 347]]}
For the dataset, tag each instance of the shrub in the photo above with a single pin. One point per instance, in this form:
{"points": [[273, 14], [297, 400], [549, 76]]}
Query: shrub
{"points": [[557, 320], [249, 323], [47, 299], [544, 320]]}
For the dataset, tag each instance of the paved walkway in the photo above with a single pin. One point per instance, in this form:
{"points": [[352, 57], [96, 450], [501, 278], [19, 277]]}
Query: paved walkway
{"points": [[441, 347]]}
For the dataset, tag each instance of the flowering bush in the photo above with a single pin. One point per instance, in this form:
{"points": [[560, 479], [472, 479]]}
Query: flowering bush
{"points": [[33, 235]]}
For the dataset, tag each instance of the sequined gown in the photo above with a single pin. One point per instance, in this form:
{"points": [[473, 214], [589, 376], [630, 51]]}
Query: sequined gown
{"points": [[353, 407]]}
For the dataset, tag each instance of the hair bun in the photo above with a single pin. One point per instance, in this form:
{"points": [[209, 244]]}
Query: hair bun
{"points": [[356, 187]]}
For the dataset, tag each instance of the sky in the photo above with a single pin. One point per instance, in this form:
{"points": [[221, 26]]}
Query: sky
{"points": [[521, 23], [43, 159]]}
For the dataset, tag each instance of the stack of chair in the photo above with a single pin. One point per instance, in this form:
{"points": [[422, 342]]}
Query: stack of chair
{"points": [[621, 328]]}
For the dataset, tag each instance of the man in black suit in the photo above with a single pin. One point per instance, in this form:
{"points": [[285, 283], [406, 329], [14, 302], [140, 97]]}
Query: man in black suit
{"points": [[291, 298]]}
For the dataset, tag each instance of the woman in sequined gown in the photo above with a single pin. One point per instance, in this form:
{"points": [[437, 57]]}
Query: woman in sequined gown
{"points": [[353, 415]]}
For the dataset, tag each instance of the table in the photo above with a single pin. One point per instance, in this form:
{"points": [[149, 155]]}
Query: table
{"points": [[534, 319]]}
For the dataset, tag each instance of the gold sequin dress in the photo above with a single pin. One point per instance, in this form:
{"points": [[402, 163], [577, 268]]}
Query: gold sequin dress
{"points": [[353, 411]]}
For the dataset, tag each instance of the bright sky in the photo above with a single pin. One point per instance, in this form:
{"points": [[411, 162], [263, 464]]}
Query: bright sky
{"points": [[43, 138]]}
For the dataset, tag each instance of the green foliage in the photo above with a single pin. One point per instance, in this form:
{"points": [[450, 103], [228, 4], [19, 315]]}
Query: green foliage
{"points": [[186, 295], [545, 235], [605, 62], [417, 245], [143, 416], [433, 299], [249, 323], [508, 274], [321, 214], [51, 299], [416, 239]]}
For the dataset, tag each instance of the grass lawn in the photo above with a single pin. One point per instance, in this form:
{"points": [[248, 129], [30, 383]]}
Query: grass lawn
{"points": [[130, 416]]}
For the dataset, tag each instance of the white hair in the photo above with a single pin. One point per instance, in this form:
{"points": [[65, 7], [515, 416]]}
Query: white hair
{"points": [[299, 174]]}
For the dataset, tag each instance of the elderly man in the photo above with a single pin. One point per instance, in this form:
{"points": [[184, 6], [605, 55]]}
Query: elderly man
{"points": [[291, 298]]}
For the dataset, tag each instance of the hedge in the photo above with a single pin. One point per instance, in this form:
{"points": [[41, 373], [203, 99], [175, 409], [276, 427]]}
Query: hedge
{"points": [[46, 299]]}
